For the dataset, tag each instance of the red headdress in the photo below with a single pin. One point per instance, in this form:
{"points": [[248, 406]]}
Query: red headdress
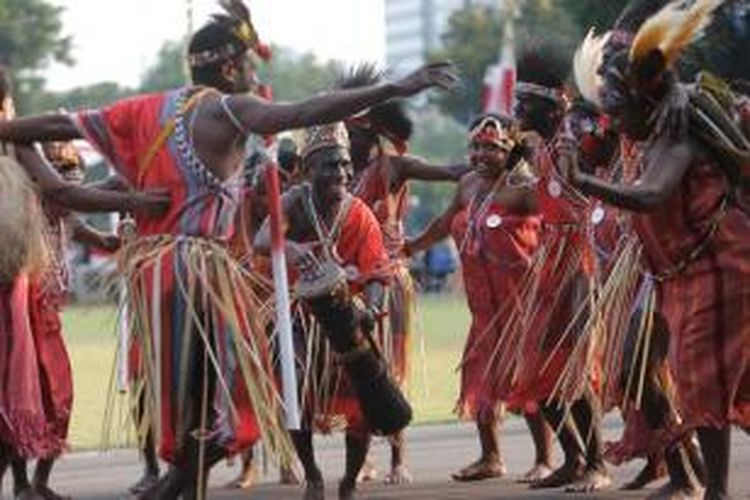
{"points": [[491, 130]]}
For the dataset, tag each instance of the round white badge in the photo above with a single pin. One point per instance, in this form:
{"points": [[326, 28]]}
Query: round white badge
{"points": [[597, 216], [352, 273], [494, 221], [554, 189]]}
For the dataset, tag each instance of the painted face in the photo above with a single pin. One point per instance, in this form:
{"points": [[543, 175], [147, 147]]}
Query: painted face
{"points": [[630, 112], [330, 170], [487, 158]]}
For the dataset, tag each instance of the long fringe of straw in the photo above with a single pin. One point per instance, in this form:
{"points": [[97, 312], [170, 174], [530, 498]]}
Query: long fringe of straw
{"points": [[232, 319]]}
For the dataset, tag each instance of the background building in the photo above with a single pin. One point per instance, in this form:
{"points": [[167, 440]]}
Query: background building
{"points": [[413, 28]]}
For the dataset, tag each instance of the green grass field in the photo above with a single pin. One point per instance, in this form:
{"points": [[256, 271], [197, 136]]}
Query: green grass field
{"points": [[91, 342]]}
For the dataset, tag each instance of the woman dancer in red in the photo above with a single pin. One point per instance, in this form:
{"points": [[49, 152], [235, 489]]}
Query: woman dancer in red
{"points": [[494, 223]]}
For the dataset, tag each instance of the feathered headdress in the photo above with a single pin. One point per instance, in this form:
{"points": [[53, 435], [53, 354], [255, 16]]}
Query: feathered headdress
{"points": [[389, 119], [244, 30], [662, 38], [652, 50], [586, 62], [543, 69], [236, 28]]}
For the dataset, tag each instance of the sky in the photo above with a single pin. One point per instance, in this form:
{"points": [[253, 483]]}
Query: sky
{"points": [[116, 40]]}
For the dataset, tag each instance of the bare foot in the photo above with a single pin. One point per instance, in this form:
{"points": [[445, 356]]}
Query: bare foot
{"points": [[145, 483], [595, 479], [246, 480], [672, 491], [536, 473], [368, 472], [288, 475], [398, 475], [653, 471], [314, 490], [563, 476], [481, 469]]}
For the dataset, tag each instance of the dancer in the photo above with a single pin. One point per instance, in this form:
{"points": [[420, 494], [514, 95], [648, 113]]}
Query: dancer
{"points": [[47, 298], [494, 221], [192, 140], [382, 171], [693, 232], [323, 218], [36, 388], [558, 292]]}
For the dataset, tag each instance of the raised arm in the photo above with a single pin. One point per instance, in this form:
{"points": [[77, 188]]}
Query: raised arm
{"points": [[438, 229], [83, 199], [663, 173], [42, 128], [262, 117], [415, 168]]}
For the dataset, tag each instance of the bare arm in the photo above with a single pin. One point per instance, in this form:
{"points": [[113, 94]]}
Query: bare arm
{"points": [[263, 117], [415, 168], [664, 172], [438, 229], [83, 199], [87, 235], [111, 183], [42, 128]]}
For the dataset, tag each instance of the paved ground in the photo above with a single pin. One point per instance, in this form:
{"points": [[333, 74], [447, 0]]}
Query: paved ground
{"points": [[435, 451]]}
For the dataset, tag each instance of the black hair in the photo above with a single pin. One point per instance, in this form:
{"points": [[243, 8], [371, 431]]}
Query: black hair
{"points": [[390, 116], [287, 155], [218, 33], [545, 63]]}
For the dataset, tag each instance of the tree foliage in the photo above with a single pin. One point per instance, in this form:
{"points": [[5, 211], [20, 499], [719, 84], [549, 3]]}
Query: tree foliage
{"points": [[89, 96], [31, 36], [297, 76], [168, 71], [474, 38]]}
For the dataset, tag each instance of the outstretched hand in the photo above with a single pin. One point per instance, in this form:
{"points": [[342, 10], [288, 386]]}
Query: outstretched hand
{"points": [[440, 74]]}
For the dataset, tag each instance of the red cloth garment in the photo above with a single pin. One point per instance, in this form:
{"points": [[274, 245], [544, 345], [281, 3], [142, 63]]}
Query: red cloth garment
{"points": [[496, 249], [391, 208], [705, 299], [362, 252], [568, 258], [34, 405], [202, 210], [360, 246]]}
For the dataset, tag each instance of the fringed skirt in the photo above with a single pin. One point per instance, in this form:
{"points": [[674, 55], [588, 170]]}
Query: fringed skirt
{"points": [[329, 402], [205, 356], [557, 303], [397, 334]]}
